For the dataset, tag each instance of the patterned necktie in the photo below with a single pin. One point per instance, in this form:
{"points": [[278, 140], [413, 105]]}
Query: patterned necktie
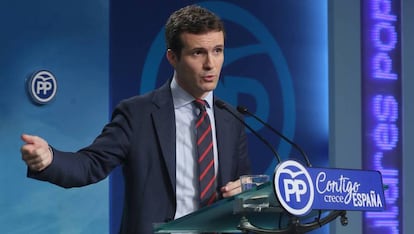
{"points": [[207, 177]]}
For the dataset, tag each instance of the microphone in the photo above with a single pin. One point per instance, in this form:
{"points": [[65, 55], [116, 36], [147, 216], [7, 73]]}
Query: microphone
{"points": [[244, 110], [223, 105]]}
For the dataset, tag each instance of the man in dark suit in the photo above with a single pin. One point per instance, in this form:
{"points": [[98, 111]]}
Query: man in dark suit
{"points": [[153, 136]]}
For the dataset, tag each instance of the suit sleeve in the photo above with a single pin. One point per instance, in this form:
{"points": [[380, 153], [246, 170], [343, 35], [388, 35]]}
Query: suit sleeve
{"points": [[93, 163]]}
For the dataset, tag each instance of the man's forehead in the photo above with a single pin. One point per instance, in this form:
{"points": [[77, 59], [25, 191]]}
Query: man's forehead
{"points": [[208, 39]]}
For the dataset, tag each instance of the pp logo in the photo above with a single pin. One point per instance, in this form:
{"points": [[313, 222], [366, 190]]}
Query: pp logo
{"points": [[294, 187], [42, 87]]}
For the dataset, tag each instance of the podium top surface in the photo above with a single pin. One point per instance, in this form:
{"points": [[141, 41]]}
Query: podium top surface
{"points": [[225, 215]]}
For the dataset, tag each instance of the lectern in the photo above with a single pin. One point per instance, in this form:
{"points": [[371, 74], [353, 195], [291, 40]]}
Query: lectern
{"points": [[300, 200]]}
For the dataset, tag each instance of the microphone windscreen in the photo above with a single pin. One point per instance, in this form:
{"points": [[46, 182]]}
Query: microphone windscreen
{"points": [[220, 104], [242, 109]]}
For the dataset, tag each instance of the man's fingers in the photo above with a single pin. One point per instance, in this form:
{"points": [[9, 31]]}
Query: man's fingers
{"points": [[36, 162], [33, 160], [29, 150], [31, 139], [38, 166], [232, 185], [229, 193], [231, 188]]}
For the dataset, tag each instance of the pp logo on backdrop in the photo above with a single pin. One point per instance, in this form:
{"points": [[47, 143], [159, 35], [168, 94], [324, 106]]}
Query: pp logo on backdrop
{"points": [[42, 87], [294, 187]]}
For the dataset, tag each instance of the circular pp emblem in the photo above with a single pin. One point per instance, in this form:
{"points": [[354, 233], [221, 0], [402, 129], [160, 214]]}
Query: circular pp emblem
{"points": [[42, 87], [294, 187]]}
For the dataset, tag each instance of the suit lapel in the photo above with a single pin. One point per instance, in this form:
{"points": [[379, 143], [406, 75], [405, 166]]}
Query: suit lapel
{"points": [[164, 122]]}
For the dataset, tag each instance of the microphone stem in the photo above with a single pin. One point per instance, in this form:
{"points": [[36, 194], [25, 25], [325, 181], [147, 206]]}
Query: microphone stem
{"points": [[222, 105], [283, 137], [266, 142]]}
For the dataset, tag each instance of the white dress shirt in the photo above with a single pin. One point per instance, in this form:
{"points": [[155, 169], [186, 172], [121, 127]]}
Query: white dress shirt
{"points": [[186, 150]]}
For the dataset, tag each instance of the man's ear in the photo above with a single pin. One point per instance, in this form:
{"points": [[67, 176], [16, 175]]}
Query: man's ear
{"points": [[171, 57]]}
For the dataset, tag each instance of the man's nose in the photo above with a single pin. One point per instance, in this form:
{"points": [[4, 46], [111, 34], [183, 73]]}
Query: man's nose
{"points": [[208, 63]]}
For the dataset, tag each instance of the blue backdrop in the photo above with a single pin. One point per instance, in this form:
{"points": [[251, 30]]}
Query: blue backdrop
{"points": [[71, 40]]}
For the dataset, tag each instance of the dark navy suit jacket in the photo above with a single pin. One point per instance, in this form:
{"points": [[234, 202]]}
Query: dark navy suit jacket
{"points": [[141, 138]]}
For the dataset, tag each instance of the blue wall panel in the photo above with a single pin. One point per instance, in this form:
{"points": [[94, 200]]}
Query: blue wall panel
{"points": [[70, 39]]}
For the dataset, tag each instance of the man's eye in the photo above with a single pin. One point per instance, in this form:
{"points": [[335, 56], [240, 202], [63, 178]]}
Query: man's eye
{"points": [[218, 50], [197, 52]]}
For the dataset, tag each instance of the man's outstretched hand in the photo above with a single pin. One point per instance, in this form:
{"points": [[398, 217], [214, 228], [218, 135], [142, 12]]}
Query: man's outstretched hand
{"points": [[36, 152]]}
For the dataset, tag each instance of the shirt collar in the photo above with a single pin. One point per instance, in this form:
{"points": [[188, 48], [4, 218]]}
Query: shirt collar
{"points": [[182, 98]]}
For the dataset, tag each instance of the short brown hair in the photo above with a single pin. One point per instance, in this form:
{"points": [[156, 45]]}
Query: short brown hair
{"points": [[191, 19]]}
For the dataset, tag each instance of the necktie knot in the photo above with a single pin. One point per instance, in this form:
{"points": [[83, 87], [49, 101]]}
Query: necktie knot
{"points": [[200, 104]]}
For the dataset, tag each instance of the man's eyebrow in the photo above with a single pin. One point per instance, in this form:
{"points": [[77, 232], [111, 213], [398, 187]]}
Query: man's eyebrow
{"points": [[198, 48], [203, 48]]}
